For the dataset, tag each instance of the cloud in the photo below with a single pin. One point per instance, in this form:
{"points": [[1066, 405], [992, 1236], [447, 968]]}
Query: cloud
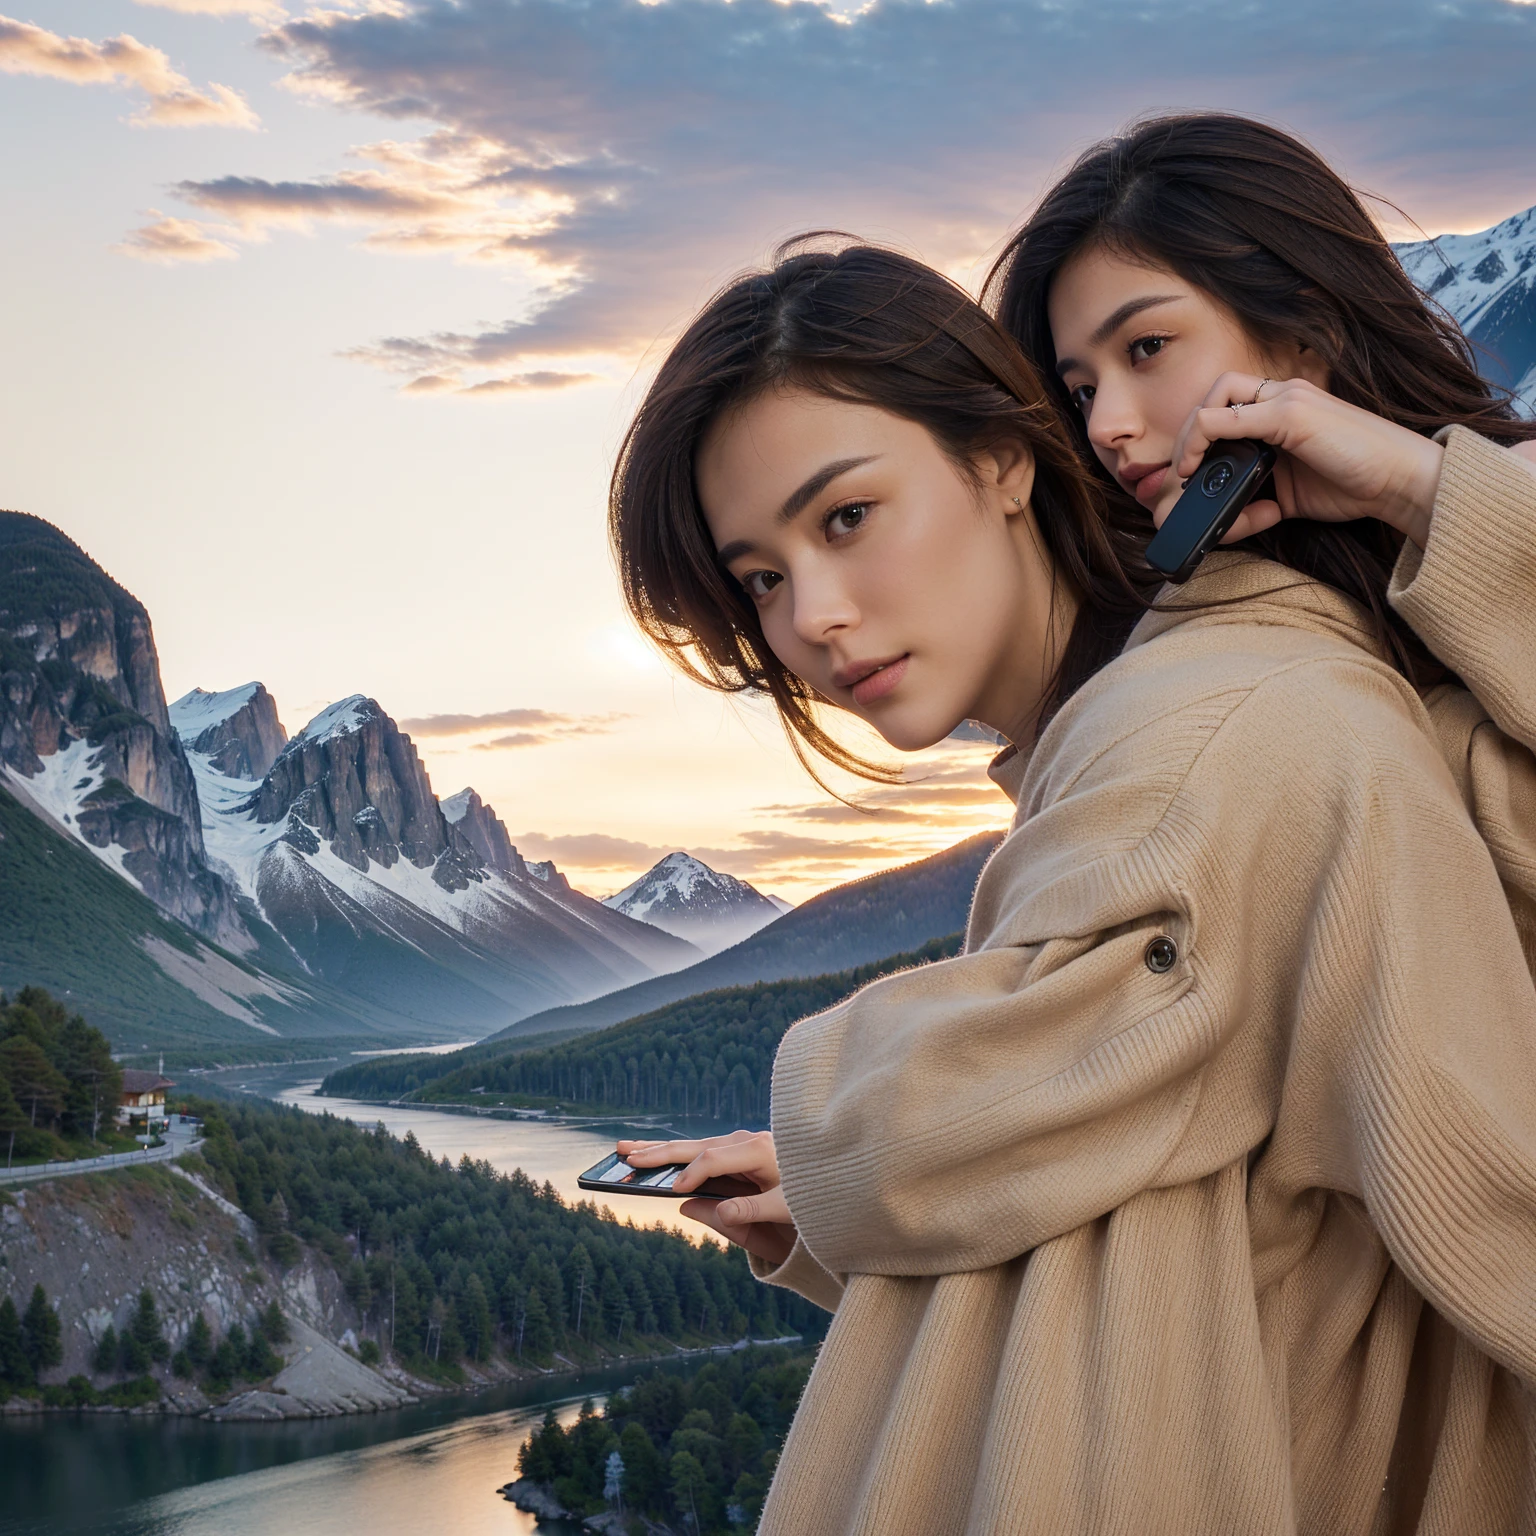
{"points": [[590, 850], [255, 10], [519, 739], [123, 61], [547, 721], [172, 240], [622, 158]]}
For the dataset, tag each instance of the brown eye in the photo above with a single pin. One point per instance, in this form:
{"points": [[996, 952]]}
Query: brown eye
{"points": [[844, 520], [1148, 346], [1082, 397], [760, 583]]}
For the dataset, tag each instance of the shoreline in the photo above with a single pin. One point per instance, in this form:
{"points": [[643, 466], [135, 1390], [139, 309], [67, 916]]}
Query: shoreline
{"points": [[418, 1389]]}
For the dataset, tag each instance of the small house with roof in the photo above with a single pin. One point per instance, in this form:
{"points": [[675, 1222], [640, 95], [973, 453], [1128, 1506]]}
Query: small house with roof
{"points": [[143, 1101]]}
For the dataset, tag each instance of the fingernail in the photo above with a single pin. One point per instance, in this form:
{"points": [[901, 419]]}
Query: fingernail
{"points": [[727, 1209]]}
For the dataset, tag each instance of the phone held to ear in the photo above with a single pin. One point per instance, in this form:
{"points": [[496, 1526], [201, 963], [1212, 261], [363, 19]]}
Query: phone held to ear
{"points": [[1229, 476], [616, 1177]]}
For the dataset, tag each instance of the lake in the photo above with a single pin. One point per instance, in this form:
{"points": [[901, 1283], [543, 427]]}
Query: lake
{"points": [[435, 1466], [544, 1149]]}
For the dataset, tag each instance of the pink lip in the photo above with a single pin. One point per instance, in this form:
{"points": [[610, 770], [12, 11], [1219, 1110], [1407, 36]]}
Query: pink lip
{"points": [[876, 681], [1145, 483]]}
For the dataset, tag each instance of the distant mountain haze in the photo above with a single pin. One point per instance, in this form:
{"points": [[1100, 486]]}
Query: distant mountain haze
{"points": [[851, 925], [684, 896], [310, 887]]}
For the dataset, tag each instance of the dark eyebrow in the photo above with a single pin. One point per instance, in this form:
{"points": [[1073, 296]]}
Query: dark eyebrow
{"points": [[1107, 328], [797, 501]]}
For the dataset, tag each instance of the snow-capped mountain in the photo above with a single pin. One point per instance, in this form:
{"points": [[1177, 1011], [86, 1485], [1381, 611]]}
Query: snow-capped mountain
{"points": [[686, 897], [1487, 281], [343, 850]]}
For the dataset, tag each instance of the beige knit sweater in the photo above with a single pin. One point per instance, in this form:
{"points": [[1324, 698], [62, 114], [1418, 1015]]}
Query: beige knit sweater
{"points": [[1246, 1242]]}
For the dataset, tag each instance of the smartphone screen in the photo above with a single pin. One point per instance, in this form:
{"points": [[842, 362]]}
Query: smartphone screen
{"points": [[615, 1175]]}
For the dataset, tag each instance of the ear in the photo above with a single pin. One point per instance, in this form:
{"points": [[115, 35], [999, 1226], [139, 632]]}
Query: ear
{"points": [[1296, 360], [1007, 470]]}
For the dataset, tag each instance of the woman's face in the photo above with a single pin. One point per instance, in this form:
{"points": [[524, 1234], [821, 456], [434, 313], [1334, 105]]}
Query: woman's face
{"points": [[887, 580], [1139, 349]]}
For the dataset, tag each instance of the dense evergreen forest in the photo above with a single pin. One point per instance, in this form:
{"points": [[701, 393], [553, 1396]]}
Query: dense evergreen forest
{"points": [[696, 1453], [59, 1086], [709, 1055], [453, 1263]]}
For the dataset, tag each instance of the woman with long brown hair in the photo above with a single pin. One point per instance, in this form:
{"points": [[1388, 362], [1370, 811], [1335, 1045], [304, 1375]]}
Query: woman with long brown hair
{"points": [[1197, 1195]]}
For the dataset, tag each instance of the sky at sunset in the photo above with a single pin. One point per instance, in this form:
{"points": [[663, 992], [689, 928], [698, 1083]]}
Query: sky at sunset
{"points": [[322, 326]]}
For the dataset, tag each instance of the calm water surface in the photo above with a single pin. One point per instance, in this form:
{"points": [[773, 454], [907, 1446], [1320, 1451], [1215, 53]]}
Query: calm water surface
{"points": [[427, 1468], [432, 1467]]}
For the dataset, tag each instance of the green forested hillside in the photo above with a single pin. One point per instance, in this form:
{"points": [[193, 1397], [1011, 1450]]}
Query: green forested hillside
{"points": [[853, 924], [710, 1055], [450, 1263], [69, 924], [699, 1450]]}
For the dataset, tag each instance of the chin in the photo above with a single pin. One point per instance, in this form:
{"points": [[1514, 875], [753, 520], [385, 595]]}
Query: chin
{"points": [[909, 732]]}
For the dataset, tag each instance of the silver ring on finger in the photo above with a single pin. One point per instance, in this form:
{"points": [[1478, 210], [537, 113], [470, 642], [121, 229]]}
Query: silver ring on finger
{"points": [[1260, 390], [1237, 407]]}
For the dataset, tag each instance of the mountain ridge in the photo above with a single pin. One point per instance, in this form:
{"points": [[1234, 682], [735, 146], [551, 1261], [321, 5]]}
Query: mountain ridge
{"points": [[682, 895]]}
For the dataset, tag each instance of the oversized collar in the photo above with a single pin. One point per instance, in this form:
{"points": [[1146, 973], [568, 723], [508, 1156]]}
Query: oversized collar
{"points": [[1230, 587]]}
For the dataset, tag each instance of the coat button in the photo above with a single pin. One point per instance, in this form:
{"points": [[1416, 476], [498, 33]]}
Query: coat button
{"points": [[1162, 953]]}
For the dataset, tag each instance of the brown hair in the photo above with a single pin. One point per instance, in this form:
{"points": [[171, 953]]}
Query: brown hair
{"points": [[1261, 223], [860, 324]]}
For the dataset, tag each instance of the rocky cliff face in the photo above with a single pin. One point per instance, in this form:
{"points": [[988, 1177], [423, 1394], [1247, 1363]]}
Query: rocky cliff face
{"points": [[485, 832], [351, 779], [237, 730], [84, 728]]}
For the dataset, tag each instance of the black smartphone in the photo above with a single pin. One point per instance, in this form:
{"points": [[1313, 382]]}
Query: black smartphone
{"points": [[1228, 477], [614, 1176]]}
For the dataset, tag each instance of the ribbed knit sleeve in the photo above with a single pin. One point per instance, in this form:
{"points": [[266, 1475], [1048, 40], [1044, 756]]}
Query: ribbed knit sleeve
{"points": [[957, 1115], [1471, 594], [801, 1273]]}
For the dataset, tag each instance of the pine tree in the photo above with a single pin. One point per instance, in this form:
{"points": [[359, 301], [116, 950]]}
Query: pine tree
{"points": [[273, 1324], [37, 1085], [145, 1331], [15, 1368], [40, 1333], [475, 1319], [199, 1345], [13, 1118], [108, 1347]]}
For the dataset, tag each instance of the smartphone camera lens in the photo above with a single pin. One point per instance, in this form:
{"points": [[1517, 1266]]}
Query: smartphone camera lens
{"points": [[1217, 478]]}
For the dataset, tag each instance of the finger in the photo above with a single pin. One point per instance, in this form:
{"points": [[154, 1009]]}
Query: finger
{"points": [[1254, 518], [753, 1157], [1234, 386], [742, 1210], [649, 1153], [1215, 424]]}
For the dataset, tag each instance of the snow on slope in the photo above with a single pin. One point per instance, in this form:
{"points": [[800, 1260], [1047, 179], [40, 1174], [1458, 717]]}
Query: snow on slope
{"points": [[1488, 282], [338, 719], [194, 712], [684, 896], [58, 793], [522, 938]]}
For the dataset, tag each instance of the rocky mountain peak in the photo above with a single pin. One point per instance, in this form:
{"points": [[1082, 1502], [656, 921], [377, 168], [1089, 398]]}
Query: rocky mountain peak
{"points": [[485, 832], [85, 735], [683, 896], [352, 779], [1487, 282], [236, 729]]}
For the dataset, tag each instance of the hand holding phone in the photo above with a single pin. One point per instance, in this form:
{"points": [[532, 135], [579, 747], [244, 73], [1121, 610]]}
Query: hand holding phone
{"points": [[1230, 475], [615, 1175]]}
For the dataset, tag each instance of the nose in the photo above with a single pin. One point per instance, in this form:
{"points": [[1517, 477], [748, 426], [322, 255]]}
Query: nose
{"points": [[1114, 423], [823, 606]]}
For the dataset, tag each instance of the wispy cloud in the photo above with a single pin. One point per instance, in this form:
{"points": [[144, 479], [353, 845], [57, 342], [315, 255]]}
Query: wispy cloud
{"points": [[254, 10], [621, 158], [172, 240], [537, 727], [173, 101]]}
